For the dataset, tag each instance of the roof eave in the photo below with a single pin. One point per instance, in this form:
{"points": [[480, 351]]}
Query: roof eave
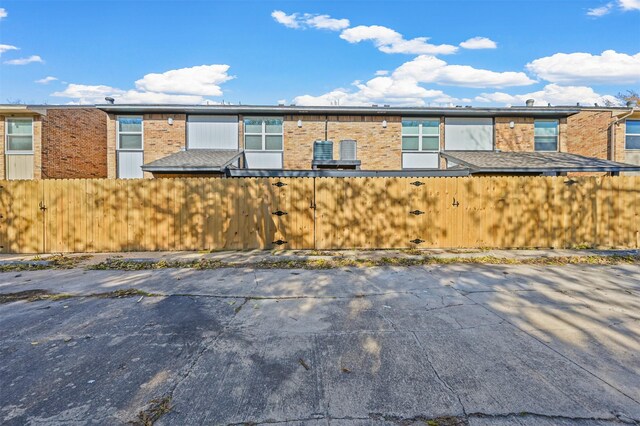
{"points": [[391, 111]]}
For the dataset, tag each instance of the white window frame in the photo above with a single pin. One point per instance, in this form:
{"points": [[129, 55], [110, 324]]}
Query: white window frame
{"points": [[629, 134], [263, 133], [420, 134], [118, 133], [6, 136], [555, 120]]}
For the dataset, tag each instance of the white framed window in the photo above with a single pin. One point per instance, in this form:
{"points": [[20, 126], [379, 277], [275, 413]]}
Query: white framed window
{"points": [[130, 144], [420, 143], [632, 135], [19, 135], [263, 134], [545, 134], [421, 134], [130, 133]]}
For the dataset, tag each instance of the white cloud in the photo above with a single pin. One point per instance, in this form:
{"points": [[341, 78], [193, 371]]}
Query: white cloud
{"points": [[290, 21], [629, 4], [381, 90], [6, 48], [429, 69], [610, 67], [624, 5], [325, 22], [181, 86], [600, 11], [382, 72], [198, 80], [551, 93], [46, 80], [391, 41], [306, 20], [25, 61], [87, 94], [479, 43], [3, 13], [403, 86]]}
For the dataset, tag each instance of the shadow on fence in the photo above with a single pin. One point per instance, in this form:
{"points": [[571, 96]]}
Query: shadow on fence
{"points": [[99, 215]]}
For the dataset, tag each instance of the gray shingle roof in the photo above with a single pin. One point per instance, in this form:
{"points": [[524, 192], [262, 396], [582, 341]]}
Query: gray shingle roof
{"points": [[194, 160], [494, 161]]}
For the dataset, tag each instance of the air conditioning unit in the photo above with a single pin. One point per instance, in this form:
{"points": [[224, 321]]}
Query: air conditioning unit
{"points": [[348, 150], [323, 150]]}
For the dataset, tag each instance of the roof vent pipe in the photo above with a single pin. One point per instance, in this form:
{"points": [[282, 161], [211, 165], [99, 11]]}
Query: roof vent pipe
{"points": [[530, 102], [632, 104], [109, 100]]}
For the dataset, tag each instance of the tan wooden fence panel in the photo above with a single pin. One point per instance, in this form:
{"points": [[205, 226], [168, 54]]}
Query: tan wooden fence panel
{"points": [[501, 212], [20, 217], [99, 215]]}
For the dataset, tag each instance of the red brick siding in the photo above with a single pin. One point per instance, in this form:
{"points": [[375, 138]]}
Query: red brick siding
{"points": [[74, 143], [588, 134]]}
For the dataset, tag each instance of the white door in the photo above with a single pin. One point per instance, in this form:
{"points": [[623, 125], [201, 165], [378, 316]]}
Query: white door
{"points": [[468, 134], [212, 132]]}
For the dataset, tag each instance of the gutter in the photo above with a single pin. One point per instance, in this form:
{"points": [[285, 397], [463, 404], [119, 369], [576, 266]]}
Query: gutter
{"points": [[344, 173]]}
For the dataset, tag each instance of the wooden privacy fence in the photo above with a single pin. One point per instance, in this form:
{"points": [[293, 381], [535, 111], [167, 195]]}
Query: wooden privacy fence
{"points": [[98, 215]]}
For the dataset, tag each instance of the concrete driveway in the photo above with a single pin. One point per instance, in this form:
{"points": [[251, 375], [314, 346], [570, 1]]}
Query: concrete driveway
{"points": [[454, 344]]}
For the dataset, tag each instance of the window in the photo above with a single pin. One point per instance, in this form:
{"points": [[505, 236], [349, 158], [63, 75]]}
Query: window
{"points": [[632, 139], [421, 134], [546, 135], [468, 134], [19, 135], [130, 145], [130, 133], [263, 134]]}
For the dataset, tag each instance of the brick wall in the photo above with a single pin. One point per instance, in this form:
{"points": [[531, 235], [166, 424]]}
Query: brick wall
{"points": [[298, 141], [162, 138], [37, 147], [378, 148], [111, 146], [587, 134], [74, 143], [520, 138]]}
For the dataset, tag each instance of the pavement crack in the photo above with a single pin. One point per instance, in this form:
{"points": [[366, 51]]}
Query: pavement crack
{"points": [[440, 379]]}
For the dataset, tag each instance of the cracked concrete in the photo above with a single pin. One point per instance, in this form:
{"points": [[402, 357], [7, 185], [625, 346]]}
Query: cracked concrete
{"points": [[466, 344]]}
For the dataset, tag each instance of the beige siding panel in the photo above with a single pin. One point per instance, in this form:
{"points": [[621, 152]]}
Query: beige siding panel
{"points": [[19, 166]]}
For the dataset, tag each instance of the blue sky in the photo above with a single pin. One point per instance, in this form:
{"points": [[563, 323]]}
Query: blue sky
{"points": [[319, 52]]}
